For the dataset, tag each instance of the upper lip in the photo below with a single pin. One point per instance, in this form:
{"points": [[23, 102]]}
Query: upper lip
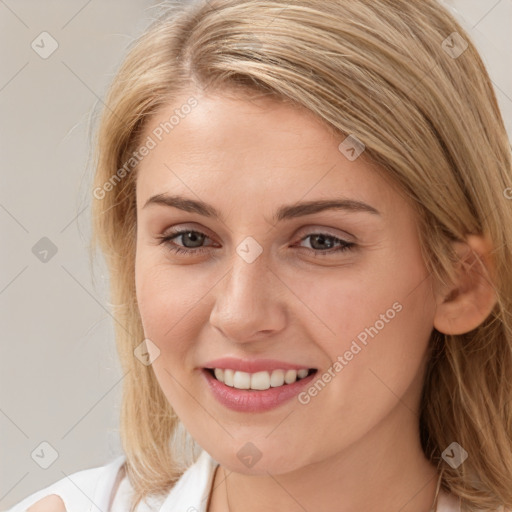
{"points": [[253, 365]]}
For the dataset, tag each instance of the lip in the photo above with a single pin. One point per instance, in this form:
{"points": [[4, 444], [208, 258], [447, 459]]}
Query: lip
{"points": [[247, 400], [253, 366]]}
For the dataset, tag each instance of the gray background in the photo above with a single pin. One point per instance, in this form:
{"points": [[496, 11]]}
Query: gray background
{"points": [[60, 381]]}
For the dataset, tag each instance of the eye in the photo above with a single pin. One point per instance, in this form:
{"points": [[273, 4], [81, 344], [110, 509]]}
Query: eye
{"points": [[322, 244], [188, 236], [325, 242]]}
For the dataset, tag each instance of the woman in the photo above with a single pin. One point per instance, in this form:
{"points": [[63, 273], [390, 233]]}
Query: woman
{"points": [[305, 210]]}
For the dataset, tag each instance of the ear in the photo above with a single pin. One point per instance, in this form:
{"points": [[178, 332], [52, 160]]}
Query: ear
{"points": [[468, 302]]}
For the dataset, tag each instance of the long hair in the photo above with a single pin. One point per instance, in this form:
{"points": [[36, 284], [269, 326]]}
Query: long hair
{"points": [[406, 80]]}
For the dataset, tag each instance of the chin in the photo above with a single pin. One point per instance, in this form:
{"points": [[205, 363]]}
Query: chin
{"points": [[250, 460]]}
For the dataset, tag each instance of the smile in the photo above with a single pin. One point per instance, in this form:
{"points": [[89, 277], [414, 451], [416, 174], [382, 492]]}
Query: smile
{"points": [[235, 391], [260, 380]]}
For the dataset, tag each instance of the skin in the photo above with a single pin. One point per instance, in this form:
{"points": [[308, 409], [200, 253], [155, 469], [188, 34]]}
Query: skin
{"points": [[354, 446]]}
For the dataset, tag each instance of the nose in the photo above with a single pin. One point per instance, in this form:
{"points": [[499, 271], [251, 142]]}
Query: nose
{"points": [[249, 302]]}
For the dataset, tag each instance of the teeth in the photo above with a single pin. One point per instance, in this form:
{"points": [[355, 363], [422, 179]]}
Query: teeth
{"points": [[302, 373], [277, 378], [259, 380]]}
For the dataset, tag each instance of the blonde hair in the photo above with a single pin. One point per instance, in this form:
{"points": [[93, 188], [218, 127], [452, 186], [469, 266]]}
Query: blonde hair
{"points": [[380, 70]]}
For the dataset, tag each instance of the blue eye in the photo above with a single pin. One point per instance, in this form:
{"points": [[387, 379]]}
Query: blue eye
{"points": [[194, 237]]}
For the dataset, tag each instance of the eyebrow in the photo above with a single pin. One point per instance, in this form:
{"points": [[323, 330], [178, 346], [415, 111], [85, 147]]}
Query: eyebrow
{"points": [[283, 213]]}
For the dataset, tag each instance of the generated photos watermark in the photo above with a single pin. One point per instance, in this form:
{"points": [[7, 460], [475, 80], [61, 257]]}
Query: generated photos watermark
{"points": [[149, 144], [343, 360]]}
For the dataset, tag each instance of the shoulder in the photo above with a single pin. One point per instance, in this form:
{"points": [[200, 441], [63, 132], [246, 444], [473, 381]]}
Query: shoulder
{"points": [[50, 503], [75, 491]]}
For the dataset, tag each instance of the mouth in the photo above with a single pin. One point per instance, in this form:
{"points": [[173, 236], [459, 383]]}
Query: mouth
{"points": [[256, 392], [259, 381]]}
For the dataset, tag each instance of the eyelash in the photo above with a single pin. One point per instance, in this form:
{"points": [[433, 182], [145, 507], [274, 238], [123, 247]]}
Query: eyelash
{"points": [[166, 240]]}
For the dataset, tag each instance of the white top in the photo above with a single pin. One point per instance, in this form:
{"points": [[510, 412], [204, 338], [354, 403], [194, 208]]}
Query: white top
{"points": [[91, 490]]}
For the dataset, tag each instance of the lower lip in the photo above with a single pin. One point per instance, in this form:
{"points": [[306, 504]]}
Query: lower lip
{"points": [[250, 400]]}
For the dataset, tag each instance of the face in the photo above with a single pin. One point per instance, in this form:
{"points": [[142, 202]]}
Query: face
{"points": [[277, 286]]}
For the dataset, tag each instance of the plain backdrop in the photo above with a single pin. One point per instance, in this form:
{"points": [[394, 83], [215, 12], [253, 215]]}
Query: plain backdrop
{"points": [[60, 381]]}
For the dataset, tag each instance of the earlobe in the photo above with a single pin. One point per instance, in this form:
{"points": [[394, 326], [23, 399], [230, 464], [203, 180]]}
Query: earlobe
{"points": [[471, 299]]}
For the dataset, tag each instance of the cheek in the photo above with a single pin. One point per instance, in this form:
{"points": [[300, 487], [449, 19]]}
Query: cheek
{"points": [[171, 299], [378, 321], [152, 298], [167, 303], [379, 314]]}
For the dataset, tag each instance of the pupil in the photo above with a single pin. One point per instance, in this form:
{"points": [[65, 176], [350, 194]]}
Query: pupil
{"points": [[194, 237], [322, 239]]}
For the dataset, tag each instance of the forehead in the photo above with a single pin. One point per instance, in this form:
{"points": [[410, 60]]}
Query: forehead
{"points": [[258, 149]]}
